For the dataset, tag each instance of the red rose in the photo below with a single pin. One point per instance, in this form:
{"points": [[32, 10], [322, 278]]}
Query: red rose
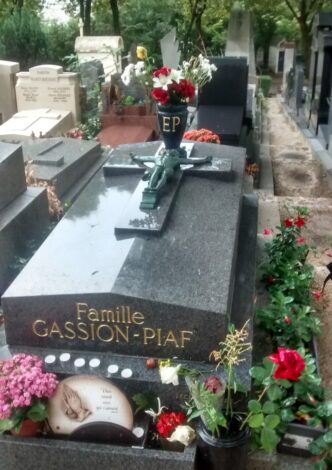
{"points": [[299, 221], [162, 71], [289, 364], [160, 95], [288, 222]]}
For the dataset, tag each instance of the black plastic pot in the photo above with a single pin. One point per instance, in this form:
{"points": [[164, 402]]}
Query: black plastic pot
{"points": [[172, 120], [222, 453]]}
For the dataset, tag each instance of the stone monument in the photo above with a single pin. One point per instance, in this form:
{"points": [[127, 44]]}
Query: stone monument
{"points": [[8, 105], [124, 284], [48, 86], [170, 49], [23, 211], [107, 49]]}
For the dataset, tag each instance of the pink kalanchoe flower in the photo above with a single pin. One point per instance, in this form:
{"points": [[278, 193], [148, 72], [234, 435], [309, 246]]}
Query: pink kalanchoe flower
{"points": [[267, 231], [316, 294]]}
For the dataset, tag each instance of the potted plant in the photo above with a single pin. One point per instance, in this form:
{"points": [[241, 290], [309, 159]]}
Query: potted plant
{"points": [[24, 389]]}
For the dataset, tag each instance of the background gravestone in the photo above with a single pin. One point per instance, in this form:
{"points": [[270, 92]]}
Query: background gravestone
{"points": [[8, 105], [170, 50], [48, 86], [92, 76]]}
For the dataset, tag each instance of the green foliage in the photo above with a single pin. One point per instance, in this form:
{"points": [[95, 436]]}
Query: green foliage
{"points": [[145, 401], [36, 412], [265, 82], [145, 22], [23, 39], [60, 40]]}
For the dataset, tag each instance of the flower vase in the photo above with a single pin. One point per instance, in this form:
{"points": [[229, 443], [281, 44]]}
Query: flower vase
{"points": [[215, 453], [29, 428], [172, 120]]}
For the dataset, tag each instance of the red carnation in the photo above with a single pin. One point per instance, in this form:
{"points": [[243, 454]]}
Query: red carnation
{"points": [[168, 421], [162, 71], [288, 222], [299, 221], [289, 364], [160, 95]]}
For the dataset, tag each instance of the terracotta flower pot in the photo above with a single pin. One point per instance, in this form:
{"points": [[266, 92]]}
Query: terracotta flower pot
{"points": [[29, 428]]}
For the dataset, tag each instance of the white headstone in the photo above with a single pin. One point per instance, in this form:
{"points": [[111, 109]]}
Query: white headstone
{"points": [[48, 86], [170, 50], [288, 63], [107, 49], [84, 399], [8, 71], [38, 122]]}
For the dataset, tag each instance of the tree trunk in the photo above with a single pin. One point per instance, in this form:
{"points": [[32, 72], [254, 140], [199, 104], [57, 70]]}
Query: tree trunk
{"points": [[306, 44], [116, 17], [85, 14]]}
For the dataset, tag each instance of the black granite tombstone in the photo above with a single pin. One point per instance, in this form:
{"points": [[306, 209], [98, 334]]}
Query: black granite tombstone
{"points": [[23, 212], [319, 89], [92, 292], [222, 101]]}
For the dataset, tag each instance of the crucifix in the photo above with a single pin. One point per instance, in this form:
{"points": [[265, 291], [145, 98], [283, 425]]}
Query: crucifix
{"points": [[151, 201]]}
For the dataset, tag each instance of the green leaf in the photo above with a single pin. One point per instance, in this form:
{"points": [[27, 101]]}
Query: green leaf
{"points": [[287, 415], [254, 406], [285, 383], [258, 373], [255, 421], [269, 439], [145, 401], [269, 407], [328, 437], [7, 424], [320, 465], [37, 412], [268, 364], [272, 421], [274, 393]]}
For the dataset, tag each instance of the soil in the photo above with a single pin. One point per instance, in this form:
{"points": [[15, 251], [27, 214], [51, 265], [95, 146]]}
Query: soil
{"points": [[301, 180]]}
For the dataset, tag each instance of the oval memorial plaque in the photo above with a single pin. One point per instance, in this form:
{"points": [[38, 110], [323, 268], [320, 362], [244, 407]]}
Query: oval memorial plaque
{"points": [[84, 399]]}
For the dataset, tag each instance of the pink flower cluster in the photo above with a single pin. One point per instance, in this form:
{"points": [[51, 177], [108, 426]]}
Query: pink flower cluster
{"points": [[22, 380]]}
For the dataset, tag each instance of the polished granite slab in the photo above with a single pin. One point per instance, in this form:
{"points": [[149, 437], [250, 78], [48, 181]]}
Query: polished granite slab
{"points": [[87, 288]]}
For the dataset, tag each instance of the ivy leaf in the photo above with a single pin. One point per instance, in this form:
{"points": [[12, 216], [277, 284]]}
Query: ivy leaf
{"points": [[255, 421], [274, 393], [254, 406], [269, 439], [272, 421]]}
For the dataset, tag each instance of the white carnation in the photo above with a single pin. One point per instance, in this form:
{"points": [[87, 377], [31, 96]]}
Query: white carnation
{"points": [[169, 375]]}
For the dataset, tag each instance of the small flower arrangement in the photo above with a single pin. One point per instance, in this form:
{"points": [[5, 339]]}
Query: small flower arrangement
{"points": [[202, 135], [198, 70], [170, 88], [24, 388]]}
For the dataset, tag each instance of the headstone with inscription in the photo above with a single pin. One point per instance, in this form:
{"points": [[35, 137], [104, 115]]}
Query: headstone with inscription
{"points": [[124, 284], [48, 86], [8, 106]]}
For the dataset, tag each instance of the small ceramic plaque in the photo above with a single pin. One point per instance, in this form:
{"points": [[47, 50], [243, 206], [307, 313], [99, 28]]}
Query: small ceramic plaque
{"points": [[84, 399]]}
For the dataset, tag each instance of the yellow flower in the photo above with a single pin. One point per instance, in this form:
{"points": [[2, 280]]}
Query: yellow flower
{"points": [[141, 53]]}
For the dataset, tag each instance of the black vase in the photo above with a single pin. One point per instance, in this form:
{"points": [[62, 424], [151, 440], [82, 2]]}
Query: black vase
{"points": [[172, 120], [216, 453]]}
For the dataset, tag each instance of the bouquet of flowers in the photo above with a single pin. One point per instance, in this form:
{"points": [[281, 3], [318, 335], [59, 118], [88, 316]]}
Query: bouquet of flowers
{"points": [[198, 70], [23, 390], [169, 87]]}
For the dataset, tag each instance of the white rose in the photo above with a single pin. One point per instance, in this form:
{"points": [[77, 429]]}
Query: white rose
{"points": [[169, 375], [183, 434]]}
